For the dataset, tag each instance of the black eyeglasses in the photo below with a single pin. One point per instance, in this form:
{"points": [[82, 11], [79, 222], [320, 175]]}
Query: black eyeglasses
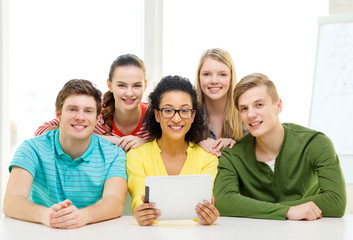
{"points": [[170, 112]]}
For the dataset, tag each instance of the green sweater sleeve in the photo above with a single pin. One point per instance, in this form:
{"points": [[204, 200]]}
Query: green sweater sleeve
{"points": [[229, 202], [324, 160]]}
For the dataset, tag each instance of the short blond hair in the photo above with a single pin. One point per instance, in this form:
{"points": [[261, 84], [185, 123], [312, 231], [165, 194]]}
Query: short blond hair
{"points": [[253, 80]]}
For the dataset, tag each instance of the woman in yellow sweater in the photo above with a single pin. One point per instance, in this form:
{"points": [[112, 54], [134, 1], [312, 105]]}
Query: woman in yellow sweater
{"points": [[174, 121]]}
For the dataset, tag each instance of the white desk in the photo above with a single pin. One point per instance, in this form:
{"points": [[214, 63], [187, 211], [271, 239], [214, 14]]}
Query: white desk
{"points": [[126, 228]]}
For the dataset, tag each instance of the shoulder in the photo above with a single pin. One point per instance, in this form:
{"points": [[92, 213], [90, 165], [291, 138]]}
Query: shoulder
{"points": [[242, 145], [305, 139], [292, 127], [142, 150], [303, 134], [198, 151], [244, 149], [199, 156], [106, 147], [141, 156], [46, 140], [34, 152]]}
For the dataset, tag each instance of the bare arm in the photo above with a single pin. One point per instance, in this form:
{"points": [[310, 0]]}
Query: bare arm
{"points": [[16, 202], [64, 214], [110, 206], [112, 203]]}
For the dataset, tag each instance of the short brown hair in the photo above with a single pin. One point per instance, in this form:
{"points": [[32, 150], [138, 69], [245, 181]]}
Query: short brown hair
{"points": [[78, 87], [253, 80]]}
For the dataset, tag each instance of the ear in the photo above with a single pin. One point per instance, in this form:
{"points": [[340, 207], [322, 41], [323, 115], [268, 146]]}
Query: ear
{"points": [[193, 116], [279, 105], [109, 84], [157, 115], [57, 115]]}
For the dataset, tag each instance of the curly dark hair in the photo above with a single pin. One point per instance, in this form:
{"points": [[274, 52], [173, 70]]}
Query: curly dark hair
{"points": [[168, 84]]}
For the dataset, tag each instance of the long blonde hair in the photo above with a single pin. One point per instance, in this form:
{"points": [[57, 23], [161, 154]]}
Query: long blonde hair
{"points": [[232, 123]]}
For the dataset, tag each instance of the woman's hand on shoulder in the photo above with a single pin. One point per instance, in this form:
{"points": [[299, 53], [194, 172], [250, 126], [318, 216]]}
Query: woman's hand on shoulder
{"points": [[126, 142], [145, 214], [207, 212], [221, 143], [207, 145], [130, 141], [216, 146]]}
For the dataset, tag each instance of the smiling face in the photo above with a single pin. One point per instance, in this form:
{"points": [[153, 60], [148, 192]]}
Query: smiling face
{"points": [[259, 112], [215, 79], [78, 117], [176, 127], [127, 85]]}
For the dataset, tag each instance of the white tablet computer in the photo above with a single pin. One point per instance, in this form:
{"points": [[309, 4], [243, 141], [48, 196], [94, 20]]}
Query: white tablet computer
{"points": [[177, 196]]}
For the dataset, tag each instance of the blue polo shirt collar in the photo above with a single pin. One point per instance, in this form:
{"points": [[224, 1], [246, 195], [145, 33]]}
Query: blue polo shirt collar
{"points": [[86, 156]]}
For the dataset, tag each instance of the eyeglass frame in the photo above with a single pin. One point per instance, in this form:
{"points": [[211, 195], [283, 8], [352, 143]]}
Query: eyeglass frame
{"points": [[176, 111]]}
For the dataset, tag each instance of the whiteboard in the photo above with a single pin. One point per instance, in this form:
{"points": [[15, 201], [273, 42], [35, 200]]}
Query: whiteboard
{"points": [[332, 97]]}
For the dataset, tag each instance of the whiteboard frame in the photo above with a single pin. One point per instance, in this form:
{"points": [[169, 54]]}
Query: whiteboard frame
{"points": [[346, 160]]}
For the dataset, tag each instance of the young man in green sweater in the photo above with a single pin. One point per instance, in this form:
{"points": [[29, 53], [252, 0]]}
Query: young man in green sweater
{"points": [[278, 171]]}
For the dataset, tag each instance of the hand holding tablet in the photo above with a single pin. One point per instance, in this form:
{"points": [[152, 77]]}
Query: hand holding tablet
{"points": [[181, 197], [146, 213]]}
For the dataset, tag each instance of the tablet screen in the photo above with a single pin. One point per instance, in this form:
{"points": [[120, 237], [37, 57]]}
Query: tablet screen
{"points": [[177, 196]]}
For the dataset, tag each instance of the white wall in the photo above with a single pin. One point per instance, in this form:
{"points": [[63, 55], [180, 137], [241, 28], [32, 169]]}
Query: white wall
{"points": [[341, 6], [4, 97], [277, 38], [53, 42]]}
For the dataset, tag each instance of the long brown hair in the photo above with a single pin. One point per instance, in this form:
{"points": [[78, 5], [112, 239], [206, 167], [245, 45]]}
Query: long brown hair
{"points": [[108, 98]]}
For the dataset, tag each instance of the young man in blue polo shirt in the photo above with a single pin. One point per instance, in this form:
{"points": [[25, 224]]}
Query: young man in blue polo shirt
{"points": [[68, 177]]}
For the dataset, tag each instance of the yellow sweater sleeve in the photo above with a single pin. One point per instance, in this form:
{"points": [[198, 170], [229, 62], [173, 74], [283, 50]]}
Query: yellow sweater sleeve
{"points": [[204, 162], [136, 175], [210, 163]]}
